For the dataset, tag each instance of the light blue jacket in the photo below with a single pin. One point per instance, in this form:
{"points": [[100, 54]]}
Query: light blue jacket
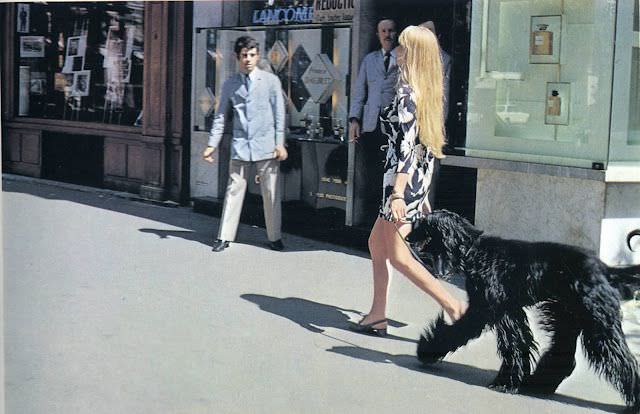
{"points": [[258, 116], [374, 89]]}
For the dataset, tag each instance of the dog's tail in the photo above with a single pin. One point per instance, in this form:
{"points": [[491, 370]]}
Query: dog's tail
{"points": [[626, 279]]}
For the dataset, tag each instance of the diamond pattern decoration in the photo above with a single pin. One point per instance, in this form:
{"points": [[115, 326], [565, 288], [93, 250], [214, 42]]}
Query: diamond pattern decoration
{"points": [[320, 78], [206, 102], [278, 56], [300, 61]]}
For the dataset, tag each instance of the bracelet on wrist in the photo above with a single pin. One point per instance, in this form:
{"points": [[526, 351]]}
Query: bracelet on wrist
{"points": [[396, 196]]}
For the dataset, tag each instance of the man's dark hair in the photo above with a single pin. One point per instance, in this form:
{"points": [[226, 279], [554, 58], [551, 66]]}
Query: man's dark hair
{"points": [[383, 18], [245, 42]]}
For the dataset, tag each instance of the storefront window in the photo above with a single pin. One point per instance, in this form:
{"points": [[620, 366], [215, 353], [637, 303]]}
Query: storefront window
{"points": [[80, 61], [312, 64], [625, 117], [540, 81]]}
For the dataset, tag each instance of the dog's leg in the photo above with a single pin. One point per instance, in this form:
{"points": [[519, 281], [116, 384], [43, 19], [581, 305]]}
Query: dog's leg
{"points": [[559, 361], [516, 347], [607, 350], [439, 338]]}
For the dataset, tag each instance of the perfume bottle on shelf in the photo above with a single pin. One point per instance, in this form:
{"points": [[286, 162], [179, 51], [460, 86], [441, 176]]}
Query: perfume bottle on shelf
{"points": [[336, 133], [554, 104], [340, 131], [542, 41]]}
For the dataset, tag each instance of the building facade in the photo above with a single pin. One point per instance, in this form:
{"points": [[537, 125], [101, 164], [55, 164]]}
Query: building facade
{"points": [[95, 94], [315, 48], [553, 122], [543, 125]]}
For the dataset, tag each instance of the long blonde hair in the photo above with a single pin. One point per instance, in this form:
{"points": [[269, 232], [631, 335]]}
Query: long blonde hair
{"points": [[422, 70]]}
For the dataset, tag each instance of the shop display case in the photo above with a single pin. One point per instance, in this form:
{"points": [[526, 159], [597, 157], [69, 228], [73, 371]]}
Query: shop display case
{"points": [[80, 61], [313, 64], [540, 81]]}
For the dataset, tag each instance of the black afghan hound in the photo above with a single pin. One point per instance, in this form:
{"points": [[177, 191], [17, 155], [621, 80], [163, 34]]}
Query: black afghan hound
{"points": [[575, 293]]}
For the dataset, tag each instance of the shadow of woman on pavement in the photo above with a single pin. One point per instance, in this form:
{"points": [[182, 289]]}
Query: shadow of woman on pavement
{"points": [[310, 315]]}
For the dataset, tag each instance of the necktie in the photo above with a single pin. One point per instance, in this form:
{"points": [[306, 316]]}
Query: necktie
{"points": [[247, 81], [387, 59]]}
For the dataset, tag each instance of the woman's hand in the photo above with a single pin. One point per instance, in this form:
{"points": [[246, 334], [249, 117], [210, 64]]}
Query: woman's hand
{"points": [[398, 209]]}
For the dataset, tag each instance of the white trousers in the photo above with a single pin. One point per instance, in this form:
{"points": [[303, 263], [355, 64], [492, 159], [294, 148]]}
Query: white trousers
{"points": [[268, 171]]}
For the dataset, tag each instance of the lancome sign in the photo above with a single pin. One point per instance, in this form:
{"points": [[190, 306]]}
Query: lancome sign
{"points": [[280, 15]]}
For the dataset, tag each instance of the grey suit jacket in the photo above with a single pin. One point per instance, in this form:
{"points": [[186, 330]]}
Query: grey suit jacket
{"points": [[258, 116], [446, 73], [374, 90]]}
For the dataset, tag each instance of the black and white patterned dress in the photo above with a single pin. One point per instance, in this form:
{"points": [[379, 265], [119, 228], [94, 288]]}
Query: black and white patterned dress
{"points": [[405, 154]]}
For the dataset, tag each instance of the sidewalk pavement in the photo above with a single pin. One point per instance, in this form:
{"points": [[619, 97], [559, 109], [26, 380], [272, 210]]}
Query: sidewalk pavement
{"points": [[113, 305]]}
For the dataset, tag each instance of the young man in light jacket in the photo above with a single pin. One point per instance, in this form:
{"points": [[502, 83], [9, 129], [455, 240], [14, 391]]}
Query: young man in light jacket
{"points": [[255, 96]]}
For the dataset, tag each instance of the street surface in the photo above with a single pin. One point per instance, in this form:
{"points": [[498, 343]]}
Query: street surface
{"points": [[113, 305]]}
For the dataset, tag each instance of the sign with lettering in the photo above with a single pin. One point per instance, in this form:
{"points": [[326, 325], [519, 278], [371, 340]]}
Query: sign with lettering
{"points": [[333, 10], [320, 78], [283, 15]]}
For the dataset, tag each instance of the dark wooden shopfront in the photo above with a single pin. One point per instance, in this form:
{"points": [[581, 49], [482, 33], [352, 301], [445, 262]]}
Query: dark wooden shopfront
{"points": [[141, 151]]}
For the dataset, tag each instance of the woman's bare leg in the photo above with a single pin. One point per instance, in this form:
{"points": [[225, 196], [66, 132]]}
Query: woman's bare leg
{"points": [[379, 259], [401, 258]]}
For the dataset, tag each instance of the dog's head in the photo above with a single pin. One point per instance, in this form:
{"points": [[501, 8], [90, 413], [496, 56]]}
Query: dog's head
{"points": [[442, 239]]}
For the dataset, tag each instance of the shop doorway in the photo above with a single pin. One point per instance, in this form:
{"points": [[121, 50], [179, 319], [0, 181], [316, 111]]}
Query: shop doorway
{"points": [[76, 159], [454, 187]]}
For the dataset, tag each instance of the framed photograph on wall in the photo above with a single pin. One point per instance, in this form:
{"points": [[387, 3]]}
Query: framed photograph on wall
{"points": [[81, 82], [545, 36], [73, 46], [22, 18], [31, 46], [38, 83]]}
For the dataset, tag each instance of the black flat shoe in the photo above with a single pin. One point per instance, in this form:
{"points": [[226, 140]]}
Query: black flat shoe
{"points": [[276, 245], [219, 245], [368, 328]]}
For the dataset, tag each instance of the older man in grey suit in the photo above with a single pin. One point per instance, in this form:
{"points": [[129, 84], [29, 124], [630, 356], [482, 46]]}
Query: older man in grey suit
{"points": [[375, 88], [255, 97]]}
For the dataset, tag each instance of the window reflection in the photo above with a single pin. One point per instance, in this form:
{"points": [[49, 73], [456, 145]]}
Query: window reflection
{"points": [[80, 61], [634, 98], [312, 64]]}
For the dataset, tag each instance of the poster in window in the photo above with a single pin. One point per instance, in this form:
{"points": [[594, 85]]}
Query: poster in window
{"points": [[73, 46], [81, 81], [74, 55], [24, 81], [38, 83], [77, 63], [22, 16], [545, 39], [31, 46]]}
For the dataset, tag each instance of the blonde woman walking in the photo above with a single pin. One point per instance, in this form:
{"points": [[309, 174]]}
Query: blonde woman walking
{"points": [[413, 124]]}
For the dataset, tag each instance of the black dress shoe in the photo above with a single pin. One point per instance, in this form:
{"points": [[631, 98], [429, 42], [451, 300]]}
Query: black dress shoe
{"points": [[219, 245], [276, 245]]}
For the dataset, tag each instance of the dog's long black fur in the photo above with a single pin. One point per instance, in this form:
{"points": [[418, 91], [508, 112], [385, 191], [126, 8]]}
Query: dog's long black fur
{"points": [[575, 293]]}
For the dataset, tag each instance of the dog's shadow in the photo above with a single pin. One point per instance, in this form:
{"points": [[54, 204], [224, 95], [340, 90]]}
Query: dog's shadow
{"points": [[312, 316], [467, 374], [316, 317]]}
